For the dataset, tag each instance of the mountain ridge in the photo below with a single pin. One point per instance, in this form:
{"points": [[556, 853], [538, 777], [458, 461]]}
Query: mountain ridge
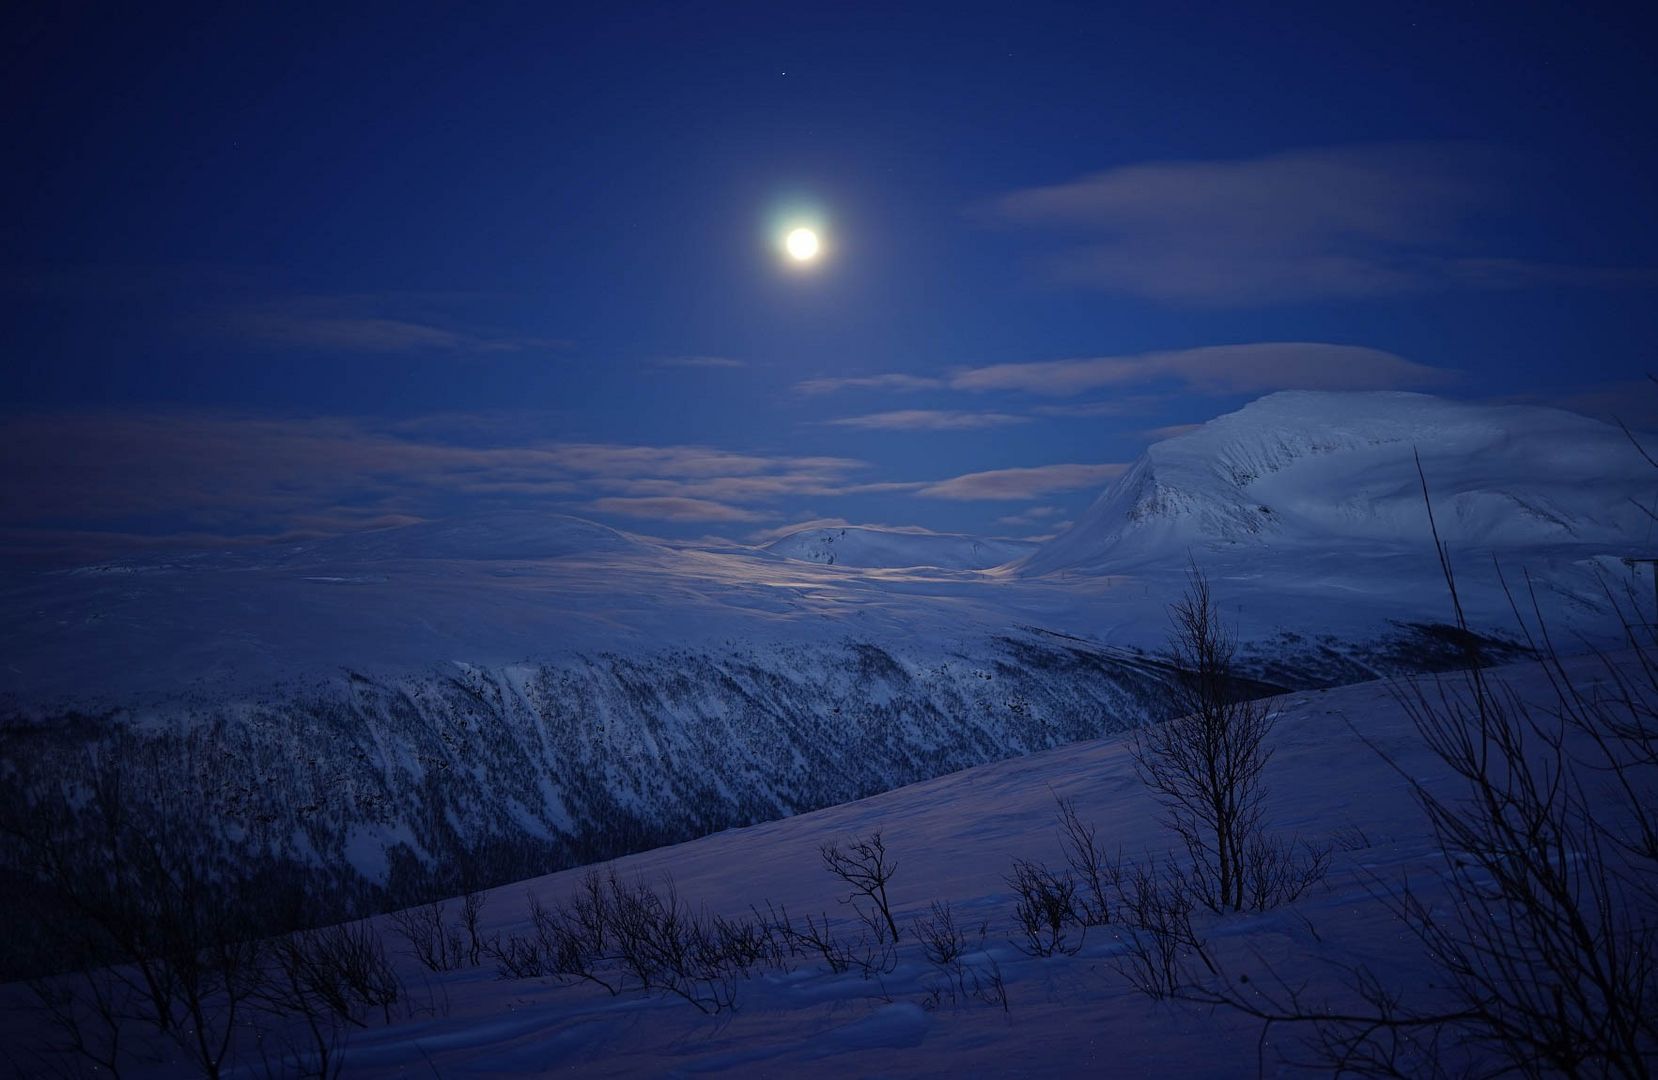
{"points": [[1500, 476]]}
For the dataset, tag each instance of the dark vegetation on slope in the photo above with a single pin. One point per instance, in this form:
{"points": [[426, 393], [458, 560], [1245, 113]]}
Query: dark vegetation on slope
{"points": [[486, 777], [492, 777], [1546, 973]]}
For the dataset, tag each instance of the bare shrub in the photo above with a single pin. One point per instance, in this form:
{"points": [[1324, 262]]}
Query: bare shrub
{"points": [[1088, 862], [1552, 952], [330, 978], [1351, 837], [341, 970], [1275, 873], [623, 936], [942, 941], [472, 910], [1155, 907], [81, 1019], [813, 938], [741, 946], [1544, 944], [990, 987], [436, 944], [157, 941], [1044, 909], [865, 866], [1553, 946]]}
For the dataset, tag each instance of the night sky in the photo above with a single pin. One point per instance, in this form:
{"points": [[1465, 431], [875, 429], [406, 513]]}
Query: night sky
{"points": [[299, 271]]}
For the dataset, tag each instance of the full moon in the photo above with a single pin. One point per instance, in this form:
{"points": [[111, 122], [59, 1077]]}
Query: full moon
{"points": [[802, 244]]}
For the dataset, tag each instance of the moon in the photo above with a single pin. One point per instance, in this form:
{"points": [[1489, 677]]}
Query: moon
{"points": [[802, 245]]}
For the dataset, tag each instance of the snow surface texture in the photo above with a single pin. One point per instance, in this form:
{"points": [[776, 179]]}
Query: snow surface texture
{"points": [[546, 688], [953, 839]]}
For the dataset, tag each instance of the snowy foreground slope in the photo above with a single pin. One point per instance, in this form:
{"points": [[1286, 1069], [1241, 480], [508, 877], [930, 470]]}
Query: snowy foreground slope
{"points": [[372, 711], [954, 838]]}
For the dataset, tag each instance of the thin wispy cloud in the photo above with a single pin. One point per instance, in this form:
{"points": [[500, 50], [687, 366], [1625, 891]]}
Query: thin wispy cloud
{"points": [[351, 324], [889, 381], [230, 478], [1026, 483], [226, 475], [672, 509], [1524, 274], [1216, 369], [701, 362], [1117, 405], [1250, 368], [1631, 402], [929, 420], [1032, 516], [1171, 431], [1330, 223]]}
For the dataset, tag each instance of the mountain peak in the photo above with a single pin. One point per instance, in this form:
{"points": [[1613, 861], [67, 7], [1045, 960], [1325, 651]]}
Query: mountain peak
{"points": [[1320, 467]]}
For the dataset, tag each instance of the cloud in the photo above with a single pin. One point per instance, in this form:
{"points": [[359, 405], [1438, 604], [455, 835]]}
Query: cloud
{"points": [[1523, 274], [1631, 402], [1171, 431], [227, 476], [701, 362], [1215, 369], [890, 381], [344, 334], [358, 324], [1331, 223], [1251, 368], [1031, 516], [1029, 483], [1121, 405], [929, 420], [673, 509]]}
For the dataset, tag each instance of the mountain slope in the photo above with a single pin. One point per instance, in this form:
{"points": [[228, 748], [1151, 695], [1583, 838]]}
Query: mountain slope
{"points": [[524, 691], [1305, 469], [953, 838]]}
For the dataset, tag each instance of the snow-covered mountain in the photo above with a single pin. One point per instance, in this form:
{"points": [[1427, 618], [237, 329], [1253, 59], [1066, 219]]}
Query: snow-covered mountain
{"points": [[523, 691], [954, 839], [1302, 469], [865, 546]]}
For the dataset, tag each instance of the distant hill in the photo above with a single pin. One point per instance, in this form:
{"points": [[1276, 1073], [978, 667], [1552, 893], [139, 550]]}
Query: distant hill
{"points": [[868, 547], [1299, 470]]}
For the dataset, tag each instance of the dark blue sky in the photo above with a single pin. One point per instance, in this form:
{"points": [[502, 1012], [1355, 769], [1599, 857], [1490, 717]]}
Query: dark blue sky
{"points": [[303, 270]]}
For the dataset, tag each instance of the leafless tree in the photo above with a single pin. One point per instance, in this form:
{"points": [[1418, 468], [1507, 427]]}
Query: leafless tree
{"points": [[1205, 766], [865, 866]]}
